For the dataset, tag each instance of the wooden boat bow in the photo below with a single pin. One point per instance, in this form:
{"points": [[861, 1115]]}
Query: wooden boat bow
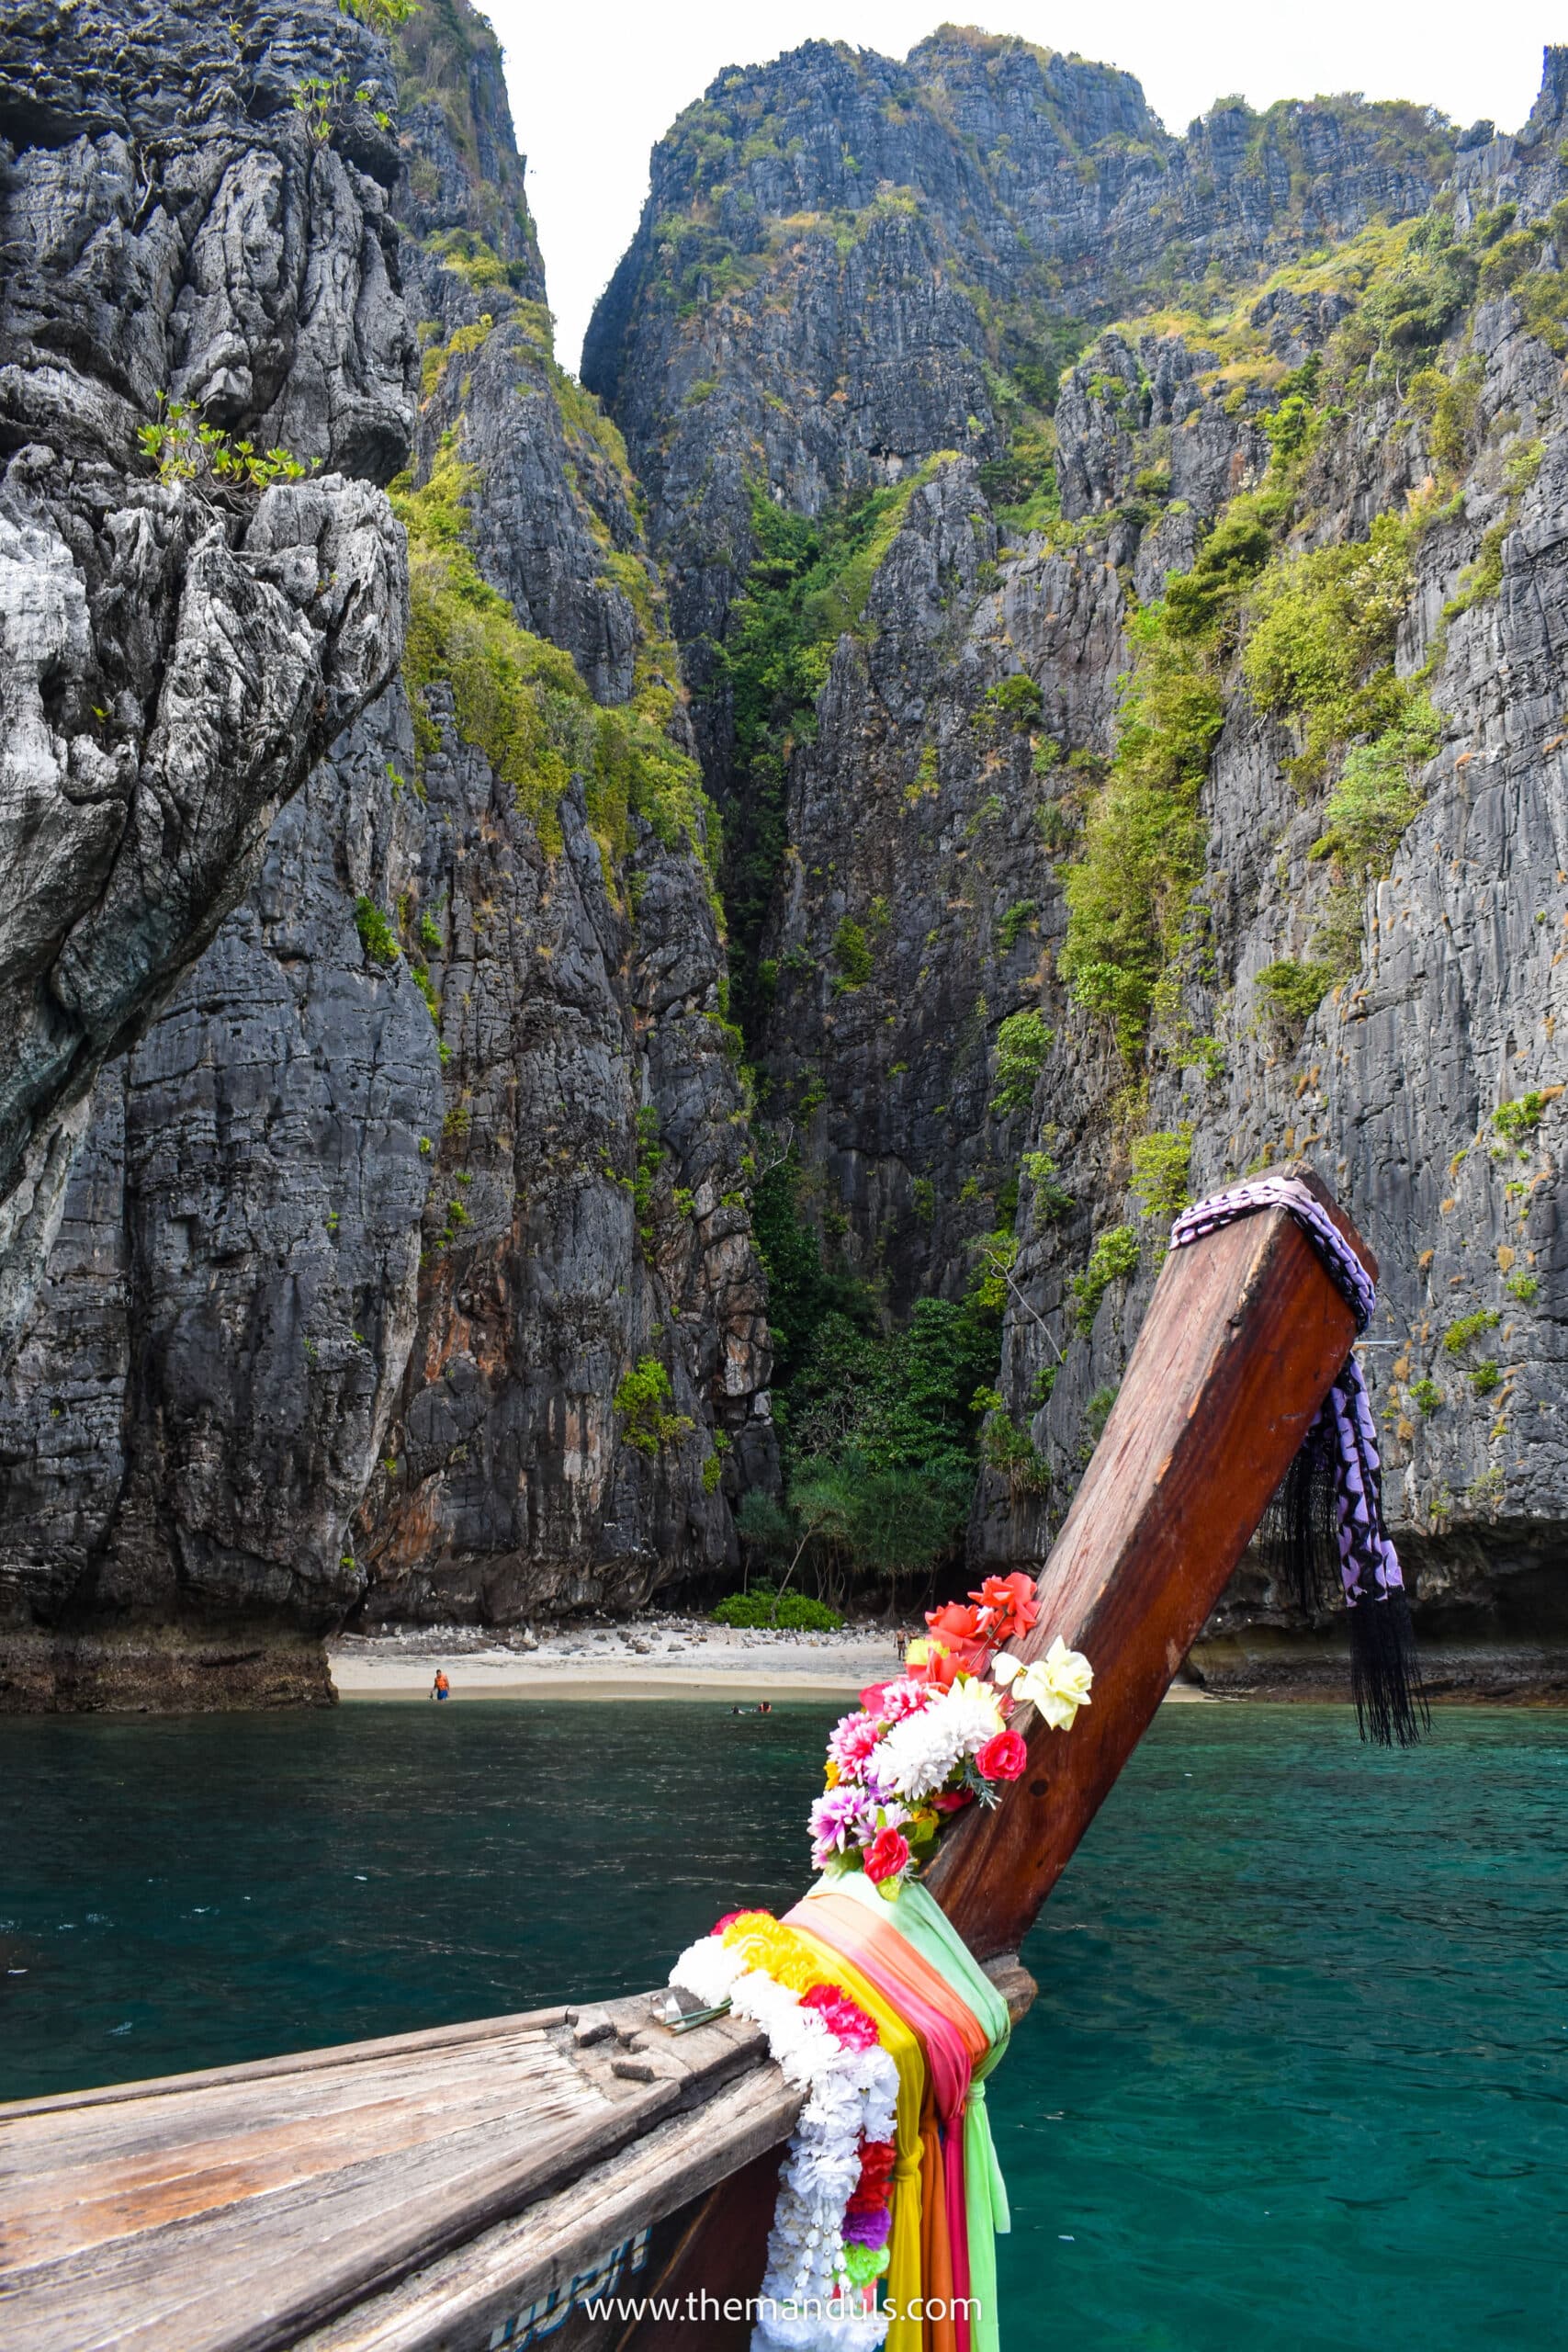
{"points": [[360, 2201]]}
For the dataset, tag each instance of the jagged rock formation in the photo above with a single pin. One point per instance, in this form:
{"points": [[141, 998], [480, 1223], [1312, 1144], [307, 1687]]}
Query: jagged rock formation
{"points": [[587, 1216], [839, 251], [182, 646], [354, 1238], [173, 661]]}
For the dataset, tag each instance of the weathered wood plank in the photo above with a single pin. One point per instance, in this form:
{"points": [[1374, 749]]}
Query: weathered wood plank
{"points": [[65, 2196], [216, 2222], [459, 2300], [252, 2273], [297, 2062], [225, 2111]]}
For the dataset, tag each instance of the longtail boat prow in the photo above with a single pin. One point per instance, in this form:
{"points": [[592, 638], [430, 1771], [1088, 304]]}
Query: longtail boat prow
{"points": [[607, 2177]]}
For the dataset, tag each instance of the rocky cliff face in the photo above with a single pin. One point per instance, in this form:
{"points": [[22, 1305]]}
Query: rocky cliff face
{"points": [[442, 1138], [1047, 955], [176, 650], [847, 263], [1118, 574]]}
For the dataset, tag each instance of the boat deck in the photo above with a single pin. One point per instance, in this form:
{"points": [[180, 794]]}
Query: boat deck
{"points": [[447, 2187]]}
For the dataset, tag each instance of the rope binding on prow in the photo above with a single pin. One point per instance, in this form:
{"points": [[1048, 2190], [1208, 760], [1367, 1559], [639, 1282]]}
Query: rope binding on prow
{"points": [[1325, 1528]]}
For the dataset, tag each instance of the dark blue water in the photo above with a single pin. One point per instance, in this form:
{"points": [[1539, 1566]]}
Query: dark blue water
{"points": [[1298, 2074]]}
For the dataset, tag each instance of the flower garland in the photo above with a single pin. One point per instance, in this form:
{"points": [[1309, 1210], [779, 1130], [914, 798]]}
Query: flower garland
{"points": [[937, 1738], [919, 1748], [833, 2218]]}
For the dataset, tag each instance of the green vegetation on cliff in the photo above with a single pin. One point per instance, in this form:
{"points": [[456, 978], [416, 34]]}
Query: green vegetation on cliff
{"points": [[519, 699], [879, 1425], [806, 587]]}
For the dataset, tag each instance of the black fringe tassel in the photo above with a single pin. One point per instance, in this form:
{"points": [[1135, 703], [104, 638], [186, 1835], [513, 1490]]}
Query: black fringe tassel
{"points": [[1299, 1542], [1300, 1535], [1385, 1678]]}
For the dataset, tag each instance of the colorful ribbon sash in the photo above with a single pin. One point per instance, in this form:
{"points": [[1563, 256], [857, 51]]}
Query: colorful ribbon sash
{"points": [[907, 1953]]}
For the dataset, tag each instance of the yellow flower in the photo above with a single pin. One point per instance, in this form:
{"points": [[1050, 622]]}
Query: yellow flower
{"points": [[1057, 1685], [832, 1776], [766, 1943]]}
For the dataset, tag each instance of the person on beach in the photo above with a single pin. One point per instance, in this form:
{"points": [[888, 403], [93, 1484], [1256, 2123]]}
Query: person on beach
{"points": [[441, 1688]]}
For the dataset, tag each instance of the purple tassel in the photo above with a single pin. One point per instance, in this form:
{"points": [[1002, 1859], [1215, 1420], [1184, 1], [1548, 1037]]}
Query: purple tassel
{"points": [[1330, 1504]]}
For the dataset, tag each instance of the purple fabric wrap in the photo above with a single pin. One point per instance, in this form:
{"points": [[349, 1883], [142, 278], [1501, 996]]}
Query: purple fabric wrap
{"points": [[1369, 1564]]}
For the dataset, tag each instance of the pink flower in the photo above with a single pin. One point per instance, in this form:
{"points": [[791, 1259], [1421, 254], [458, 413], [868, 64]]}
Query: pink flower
{"points": [[1003, 1758], [906, 1697], [885, 1856], [840, 1819], [844, 2018], [852, 1740]]}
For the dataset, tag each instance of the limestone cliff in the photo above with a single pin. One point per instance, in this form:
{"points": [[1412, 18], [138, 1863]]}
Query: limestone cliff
{"points": [[1117, 575], [177, 648], [846, 263], [1089, 892], [442, 1138]]}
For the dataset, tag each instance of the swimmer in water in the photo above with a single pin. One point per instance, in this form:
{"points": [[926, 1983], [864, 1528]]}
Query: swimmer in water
{"points": [[441, 1688]]}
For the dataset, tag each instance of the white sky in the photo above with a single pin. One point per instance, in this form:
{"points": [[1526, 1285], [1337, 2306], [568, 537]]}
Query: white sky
{"points": [[592, 88]]}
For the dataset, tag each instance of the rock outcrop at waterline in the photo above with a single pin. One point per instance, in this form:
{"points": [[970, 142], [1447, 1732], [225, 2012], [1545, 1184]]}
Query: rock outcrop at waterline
{"points": [[442, 1138]]}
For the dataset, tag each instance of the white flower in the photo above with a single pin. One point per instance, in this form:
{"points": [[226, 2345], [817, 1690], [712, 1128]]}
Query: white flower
{"points": [[707, 1969], [850, 2094], [1057, 1685], [917, 1755]]}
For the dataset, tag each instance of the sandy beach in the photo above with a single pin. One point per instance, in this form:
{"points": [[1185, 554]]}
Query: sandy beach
{"points": [[649, 1657]]}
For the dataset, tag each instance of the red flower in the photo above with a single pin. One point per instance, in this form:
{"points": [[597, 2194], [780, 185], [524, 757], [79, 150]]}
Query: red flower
{"points": [[933, 1661], [962, 1634], [885, 1856], [951, 1800], [871, 1698], [1009, 1605], [954, 1621], [1003, 1758]]}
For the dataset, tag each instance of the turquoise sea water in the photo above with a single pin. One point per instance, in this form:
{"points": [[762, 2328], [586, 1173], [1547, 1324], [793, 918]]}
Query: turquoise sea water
{"points": [[1298, 2074]]}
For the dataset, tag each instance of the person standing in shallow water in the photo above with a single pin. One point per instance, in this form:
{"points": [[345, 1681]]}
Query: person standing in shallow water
{"points": [[441, 1688]]}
